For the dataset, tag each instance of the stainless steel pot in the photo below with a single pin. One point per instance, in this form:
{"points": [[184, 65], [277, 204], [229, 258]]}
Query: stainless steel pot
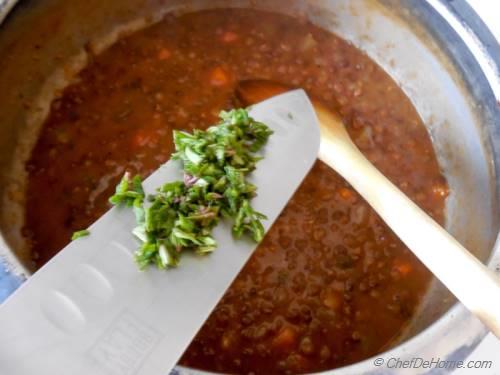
{"points": [[440, 52]]}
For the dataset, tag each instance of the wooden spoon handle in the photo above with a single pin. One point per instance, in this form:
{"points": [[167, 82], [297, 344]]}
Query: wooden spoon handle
{"points": [[477, 287]]}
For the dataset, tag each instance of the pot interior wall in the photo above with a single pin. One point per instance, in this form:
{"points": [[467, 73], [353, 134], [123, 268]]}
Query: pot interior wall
{"points": [[44, 44]]}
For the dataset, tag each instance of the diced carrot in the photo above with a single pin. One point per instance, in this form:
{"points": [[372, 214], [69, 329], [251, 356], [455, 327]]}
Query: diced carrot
{"points": [[164, 54], [219, 77], [140, 139], [144, 137], [346, 194], [440, 190], [228, 340], [331, 299], [286, 339], [403, 268], [229, 37]]}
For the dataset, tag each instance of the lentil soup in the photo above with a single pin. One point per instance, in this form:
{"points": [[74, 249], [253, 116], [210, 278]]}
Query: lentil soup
{"points": [[330, 284]]}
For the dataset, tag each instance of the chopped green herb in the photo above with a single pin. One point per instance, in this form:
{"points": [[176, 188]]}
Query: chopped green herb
{"points": [[79, 234], [181, 215]]}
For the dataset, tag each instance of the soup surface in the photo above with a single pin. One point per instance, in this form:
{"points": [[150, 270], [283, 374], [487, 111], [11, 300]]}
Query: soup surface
{"points": [[330, 284]]}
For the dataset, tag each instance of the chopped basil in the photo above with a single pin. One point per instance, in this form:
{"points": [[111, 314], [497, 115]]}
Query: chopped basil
{"points": [[79, 234], [181, 215]]}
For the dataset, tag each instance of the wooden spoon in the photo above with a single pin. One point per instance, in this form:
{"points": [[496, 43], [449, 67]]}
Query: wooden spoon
{"points": [[476, 286]]}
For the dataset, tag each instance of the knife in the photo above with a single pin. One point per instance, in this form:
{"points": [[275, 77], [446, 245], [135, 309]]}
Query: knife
{"points": [[91, 311]]}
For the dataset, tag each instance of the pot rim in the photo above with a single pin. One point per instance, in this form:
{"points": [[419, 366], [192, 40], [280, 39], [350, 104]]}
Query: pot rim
{"points": [[482, 50]]}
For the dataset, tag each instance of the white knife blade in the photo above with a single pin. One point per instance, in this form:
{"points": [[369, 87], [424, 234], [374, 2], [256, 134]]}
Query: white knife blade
{"points": [[91, 311]]}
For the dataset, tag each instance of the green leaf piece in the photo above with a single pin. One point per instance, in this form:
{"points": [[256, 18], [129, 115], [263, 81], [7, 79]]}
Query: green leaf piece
{"points": [[181, 215], [80, 234]]}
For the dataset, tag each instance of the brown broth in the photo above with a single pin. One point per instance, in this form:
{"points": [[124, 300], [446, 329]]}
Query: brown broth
{"points": [[331, 284]]}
